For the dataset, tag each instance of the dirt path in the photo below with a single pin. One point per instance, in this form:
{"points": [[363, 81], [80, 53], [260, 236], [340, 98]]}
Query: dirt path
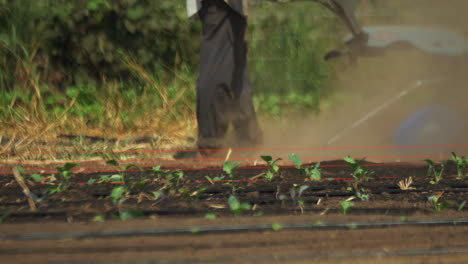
{"points": [[415, 244]]}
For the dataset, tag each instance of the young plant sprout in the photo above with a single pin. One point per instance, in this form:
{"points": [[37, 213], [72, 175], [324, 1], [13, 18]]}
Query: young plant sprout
{"points": [[229, 168], [461, 163], [237, 207], [296, 193], [273, 169], [435, 172], [346, 205], [360, 173], [312, 173], [438, 206], [65, 175]]}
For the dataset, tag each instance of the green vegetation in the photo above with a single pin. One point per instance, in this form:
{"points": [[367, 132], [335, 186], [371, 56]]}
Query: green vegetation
{"points": [[296, 193], [273, 168], [438, 206], [461, 164], [64, 178], [229, 168], [125, 66], [237, 207], [346, 205], [312, 173], [360, 173], [434, 171]]}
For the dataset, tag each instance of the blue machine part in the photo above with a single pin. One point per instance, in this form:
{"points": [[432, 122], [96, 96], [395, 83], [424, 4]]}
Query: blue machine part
{"points": [[430, 125], [432, 40]]}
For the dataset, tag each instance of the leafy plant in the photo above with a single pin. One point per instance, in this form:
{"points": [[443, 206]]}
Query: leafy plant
{"points": [[296, 193], [119, 194], [276, 226], [312, 173], [214, 179], [273, 168], [434, 171], [36, 178], [193, 195], [99, 218], [438, 206], [346, 205], [64, 176], [461, 163], [210, 216], [237, 207], [229, 168], [360, 173]]}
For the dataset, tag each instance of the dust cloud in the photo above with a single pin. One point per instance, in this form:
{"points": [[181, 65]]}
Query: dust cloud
{"points": [[379, 93]]}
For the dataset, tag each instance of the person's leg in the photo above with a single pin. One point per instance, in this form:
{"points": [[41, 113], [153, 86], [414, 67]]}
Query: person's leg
{"points": [[215, 95], [244, 116]]}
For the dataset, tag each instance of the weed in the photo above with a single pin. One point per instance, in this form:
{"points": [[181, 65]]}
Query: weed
{"points": [[237, 207], [229, 168], [434, 171], [312, 173], [360, 173], [273, 168], [346, 205], [461, 163], [461, 206]]}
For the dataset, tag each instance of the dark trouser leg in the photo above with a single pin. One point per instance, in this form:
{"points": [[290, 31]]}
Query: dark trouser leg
{"points": [[224, 94]]}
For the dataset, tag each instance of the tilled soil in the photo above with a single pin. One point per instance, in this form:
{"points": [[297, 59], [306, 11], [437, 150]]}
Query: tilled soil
{"points": [[394, 225]]}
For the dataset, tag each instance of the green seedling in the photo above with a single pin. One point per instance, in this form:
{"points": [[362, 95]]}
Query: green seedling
{"points": [[37, 178], [99, 218], [158, 195], [346, 205], [438, 206], [119, 195], [360, 173], [64, 175], [215, 179], [173, 179], [157, 171], [193, 195], [229, 168], [210, 216], [435, 172], [237, 207], [312, 173], [276, 226], [124, 170], [273, 169], [461, 164], [461, 206], [130, 214], [296, 193]]}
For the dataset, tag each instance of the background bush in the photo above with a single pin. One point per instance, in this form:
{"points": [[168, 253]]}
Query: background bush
{"points": [[101, 60]]}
